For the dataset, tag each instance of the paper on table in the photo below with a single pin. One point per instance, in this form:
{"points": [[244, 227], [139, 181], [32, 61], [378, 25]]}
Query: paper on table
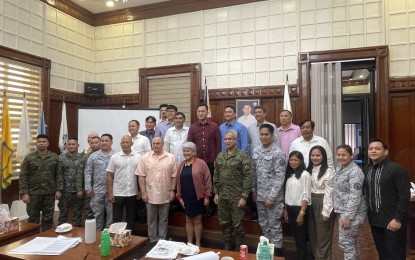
{"points": [[203, 256], [47, 246], [165, 250]]}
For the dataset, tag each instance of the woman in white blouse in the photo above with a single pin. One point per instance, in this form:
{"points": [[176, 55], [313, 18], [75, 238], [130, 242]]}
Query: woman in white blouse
{"points": [[321, 219], [297, 198]]}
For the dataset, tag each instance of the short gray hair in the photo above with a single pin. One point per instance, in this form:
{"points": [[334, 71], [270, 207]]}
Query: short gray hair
{"points": [[233, 132], [189, 145]]}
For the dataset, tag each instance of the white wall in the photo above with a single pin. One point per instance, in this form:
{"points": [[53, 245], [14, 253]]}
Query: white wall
{"points": [[239, 46], [36, 28]]}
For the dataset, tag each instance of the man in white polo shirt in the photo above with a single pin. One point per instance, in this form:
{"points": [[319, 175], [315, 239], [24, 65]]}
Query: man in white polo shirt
{"points": [[176, 136], [122, 183], [141, 144], [308, 139]]}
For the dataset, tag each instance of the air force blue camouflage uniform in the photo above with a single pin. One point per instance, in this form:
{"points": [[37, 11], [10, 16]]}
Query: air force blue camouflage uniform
{"points": [[268, 171], [96, 180], [348, 201]]}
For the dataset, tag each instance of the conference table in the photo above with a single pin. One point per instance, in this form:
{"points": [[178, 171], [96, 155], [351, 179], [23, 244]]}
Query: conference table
{"points": [[25, 229], [233, 254], [81, 251]]}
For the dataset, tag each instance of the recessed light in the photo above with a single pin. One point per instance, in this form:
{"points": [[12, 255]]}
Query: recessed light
{"points": [[110, 3]]}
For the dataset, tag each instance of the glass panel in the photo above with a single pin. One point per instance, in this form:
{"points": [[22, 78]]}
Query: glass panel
{"points": [[353, 137], [355, 81]]}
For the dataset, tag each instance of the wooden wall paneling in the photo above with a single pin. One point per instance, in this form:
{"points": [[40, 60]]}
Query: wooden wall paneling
{"points": [[53, 126], [11, 193], [402, 84], [72, 9], [402, 139], [270, 106], [216, 109], [162, 9]]}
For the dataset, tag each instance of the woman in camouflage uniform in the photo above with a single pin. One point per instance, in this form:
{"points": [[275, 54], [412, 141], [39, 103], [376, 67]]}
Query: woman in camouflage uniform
{"points": [[348, 201]]}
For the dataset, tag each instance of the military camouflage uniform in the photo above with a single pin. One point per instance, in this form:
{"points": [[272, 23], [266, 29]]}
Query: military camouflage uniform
{"points": [[96, 180], [40, 177], [232, 181], [348, 201], [68, 165], [268, 174], [80, 185]]}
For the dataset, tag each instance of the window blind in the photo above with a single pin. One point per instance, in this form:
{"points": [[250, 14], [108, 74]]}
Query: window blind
{"points": [[19, 80]]}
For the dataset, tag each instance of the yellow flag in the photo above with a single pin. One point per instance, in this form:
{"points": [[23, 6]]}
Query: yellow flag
{"points": [[7, 147]]}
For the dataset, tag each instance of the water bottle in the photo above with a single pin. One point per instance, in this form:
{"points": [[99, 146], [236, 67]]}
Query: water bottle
{"points": [[90, 231], [105, 245], [264, 253]]}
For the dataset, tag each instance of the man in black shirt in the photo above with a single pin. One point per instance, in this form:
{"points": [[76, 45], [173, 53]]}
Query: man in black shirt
{"points": [[387, 191]]}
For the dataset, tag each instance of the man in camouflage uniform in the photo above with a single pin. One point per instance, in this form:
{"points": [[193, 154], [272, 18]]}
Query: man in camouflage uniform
{"points": [[40, 183], [268, 171], [94, 145], [96, 181], [232, 183], [68, 163]]}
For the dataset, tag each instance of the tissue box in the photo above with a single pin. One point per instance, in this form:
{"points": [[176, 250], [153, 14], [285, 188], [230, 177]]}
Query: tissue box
{"points": [[271, 250], [120, 239], [10, 225]]}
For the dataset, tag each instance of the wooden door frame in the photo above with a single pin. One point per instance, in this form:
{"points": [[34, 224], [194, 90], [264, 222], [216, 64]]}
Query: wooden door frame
{"points": [[196, 92], [381, 56]]}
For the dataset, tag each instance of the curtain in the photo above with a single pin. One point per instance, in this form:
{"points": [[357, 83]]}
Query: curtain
{"points": [[326, 102]]}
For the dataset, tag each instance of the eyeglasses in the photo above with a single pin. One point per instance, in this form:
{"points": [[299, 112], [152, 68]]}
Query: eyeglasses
{"points": [[229, 139]]}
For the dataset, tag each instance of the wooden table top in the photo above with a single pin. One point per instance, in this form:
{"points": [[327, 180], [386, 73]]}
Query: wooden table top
{"points": [[81, 251], [233, 254], [24, 227]]}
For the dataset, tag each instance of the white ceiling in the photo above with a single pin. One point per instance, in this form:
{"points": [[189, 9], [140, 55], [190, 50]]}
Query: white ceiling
{"points": [[98, 6]]}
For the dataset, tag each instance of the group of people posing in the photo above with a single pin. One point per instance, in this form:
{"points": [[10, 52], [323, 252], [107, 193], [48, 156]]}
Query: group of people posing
{"points": [[285, 172]]}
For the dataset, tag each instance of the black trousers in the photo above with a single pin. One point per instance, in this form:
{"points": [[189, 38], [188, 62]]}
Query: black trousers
{"points": [[390, 245], [130, 210], [300, 232], [210, 210]]}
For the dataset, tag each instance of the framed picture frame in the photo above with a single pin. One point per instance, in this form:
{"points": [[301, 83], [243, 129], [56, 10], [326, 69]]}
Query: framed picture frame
{"points": [[245, 111]]}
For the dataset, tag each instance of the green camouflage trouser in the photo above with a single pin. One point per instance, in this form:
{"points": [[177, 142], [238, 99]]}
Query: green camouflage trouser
{"points": [[67, 201], [44, 204], [230, 217]]}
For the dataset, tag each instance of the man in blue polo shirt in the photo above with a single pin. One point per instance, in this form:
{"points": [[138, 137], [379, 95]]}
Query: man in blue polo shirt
{"points": [[232, 124]]}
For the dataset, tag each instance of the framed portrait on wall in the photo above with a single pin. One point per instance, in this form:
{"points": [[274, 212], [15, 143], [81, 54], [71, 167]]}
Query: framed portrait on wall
{"points": [[245, 111]]}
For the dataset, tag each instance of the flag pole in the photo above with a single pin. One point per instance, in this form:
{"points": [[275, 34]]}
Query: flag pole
{"points": [[2, 146]]}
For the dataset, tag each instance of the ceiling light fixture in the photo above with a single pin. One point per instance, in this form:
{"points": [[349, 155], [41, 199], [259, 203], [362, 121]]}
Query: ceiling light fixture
{"points": [[110, 3]]}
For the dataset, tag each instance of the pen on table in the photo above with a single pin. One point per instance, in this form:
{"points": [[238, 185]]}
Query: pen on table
{"points": [[86, 255]]}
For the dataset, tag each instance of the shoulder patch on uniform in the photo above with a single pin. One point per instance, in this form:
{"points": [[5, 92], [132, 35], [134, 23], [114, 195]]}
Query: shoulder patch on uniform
{"points": [[357, 186], [282, 162]]}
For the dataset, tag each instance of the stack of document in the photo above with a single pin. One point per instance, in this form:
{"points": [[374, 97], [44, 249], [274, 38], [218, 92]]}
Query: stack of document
{"points": [[170, 249], [47, 246]]}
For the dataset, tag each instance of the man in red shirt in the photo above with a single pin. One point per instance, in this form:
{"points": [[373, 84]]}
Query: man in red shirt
{"points": [[206, 135]]}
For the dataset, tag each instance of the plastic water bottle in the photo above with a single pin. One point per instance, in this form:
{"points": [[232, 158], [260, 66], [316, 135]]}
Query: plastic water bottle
{"points": [[264, 253], [90, 231], [105, 245]]}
